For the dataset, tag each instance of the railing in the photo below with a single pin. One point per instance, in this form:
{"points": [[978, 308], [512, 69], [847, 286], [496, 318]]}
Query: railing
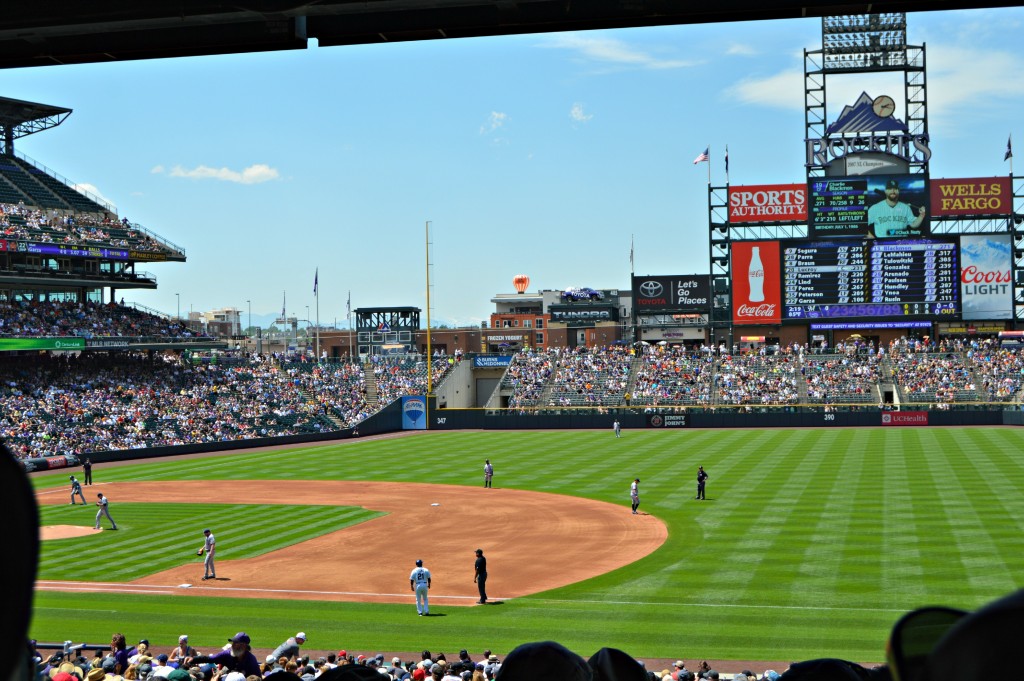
{"points": [[57, 176]]}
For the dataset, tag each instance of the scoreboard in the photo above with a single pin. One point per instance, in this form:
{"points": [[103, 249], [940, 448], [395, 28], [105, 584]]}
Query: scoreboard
{"points": [[885, 279], [846, 206]]}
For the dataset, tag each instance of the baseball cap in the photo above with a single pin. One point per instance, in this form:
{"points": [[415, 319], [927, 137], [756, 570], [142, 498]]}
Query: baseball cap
{"points": [[206, 530], [436, 669], [301, 635], [419, 562], [679, 663], [183, 637], [161, 658], [240, 637], [892, 184]]}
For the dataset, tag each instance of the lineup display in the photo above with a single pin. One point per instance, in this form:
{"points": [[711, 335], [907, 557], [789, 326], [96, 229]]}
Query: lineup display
{"points": [[882, 279], [873, 206]]}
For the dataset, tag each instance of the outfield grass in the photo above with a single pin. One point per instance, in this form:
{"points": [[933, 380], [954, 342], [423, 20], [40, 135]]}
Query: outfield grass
{"points": [[154, 540], [811, 542]]}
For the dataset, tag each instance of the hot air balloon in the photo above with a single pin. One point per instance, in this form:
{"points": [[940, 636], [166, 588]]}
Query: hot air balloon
{"points": [[521, 282]]}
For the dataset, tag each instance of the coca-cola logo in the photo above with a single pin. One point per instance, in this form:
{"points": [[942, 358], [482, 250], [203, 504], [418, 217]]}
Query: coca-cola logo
{"points": [[762, 310], [972, 275]]}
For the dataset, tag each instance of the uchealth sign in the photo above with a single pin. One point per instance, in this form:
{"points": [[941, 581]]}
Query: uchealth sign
{"points": [[682, 293], [768, 203], [972, 196], [756, 287], [986, 285], [904, 418]]}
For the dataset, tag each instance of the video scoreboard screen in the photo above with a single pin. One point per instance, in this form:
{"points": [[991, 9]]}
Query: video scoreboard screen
{"points": [[882, 206], [870, 278]]}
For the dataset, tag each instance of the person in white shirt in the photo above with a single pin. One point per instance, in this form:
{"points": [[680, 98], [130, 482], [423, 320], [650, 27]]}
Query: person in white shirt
{"points": [[419, 582]]}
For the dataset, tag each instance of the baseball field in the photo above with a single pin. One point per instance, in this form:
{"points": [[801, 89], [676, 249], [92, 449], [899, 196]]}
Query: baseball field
{"points": [[810, 543]]}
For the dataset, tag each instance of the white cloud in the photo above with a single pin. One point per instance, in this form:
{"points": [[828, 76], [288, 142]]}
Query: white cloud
{"points": [[741, 50], [782, 90], [577, 114], [612, 51], [157, 169], [91, 190], [494, 121], [254, 174]]}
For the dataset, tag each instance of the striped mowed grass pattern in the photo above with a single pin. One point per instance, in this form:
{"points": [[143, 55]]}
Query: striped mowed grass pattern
{"points": [[811, 542], [160, 536]]}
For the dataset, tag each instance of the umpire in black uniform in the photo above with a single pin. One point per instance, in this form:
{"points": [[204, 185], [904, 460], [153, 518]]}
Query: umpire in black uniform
{"points": [[702, 477], [480, 575]]}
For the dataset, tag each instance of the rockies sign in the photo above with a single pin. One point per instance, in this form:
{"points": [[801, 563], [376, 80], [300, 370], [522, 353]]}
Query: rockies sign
{"points": [[682, 293]]}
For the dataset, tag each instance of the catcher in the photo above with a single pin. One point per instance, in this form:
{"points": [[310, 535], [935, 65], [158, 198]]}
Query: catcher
{"points": [[209, 547]]}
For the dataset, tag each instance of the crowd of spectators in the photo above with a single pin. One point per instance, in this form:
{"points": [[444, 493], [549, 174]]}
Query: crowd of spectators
{"points": [[527, 376], [398, 375], [18, 221], [239, 661], [49, 318], [932, 376], [590, 376], [755, 379], [849, 377], [672, 376]]}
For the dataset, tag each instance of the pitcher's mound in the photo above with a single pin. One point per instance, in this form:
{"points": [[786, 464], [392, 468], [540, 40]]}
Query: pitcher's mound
{"points": [[64, 531]]}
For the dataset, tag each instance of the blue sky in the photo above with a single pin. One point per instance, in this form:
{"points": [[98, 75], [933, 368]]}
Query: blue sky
{"points": [[534, 154]]}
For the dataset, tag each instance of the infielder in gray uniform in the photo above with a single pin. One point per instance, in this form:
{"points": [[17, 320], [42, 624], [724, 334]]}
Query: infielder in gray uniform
{"points": [[104, 511], [891, 217], [209, 547], [76, 488], [419, 582]]}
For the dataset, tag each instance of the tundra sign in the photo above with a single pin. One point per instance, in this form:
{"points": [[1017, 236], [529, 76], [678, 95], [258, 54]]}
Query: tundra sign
{"points": [[680, 293]]}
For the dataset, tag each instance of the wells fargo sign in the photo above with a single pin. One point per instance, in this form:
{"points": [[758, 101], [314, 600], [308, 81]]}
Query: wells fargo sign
{"points": [[973, 196]]}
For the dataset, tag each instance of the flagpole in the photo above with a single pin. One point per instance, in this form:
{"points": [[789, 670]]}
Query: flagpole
{"points": [[429, 362], [709, 165], [316, 286], [727, 164], [351, 354]]}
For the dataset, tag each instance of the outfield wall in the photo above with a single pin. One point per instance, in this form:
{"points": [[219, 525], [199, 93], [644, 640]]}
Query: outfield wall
{"points": [[482, 419], [389, 420]]}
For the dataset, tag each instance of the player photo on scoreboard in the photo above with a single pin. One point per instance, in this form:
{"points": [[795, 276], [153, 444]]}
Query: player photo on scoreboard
{"points": [[896, 206]]}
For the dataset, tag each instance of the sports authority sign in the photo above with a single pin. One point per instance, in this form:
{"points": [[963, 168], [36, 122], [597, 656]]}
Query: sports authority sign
{"points": [[756, 288], [974, 196], [768, 203], [680, 293]]}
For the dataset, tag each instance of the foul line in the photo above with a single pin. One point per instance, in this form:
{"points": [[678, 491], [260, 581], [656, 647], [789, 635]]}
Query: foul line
{"points": [[114, 587]]}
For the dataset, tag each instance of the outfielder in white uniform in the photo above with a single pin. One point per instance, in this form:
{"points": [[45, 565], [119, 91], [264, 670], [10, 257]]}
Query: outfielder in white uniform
{"points": [[891, 218], [634, 495], [209, 547], [419, 582]]}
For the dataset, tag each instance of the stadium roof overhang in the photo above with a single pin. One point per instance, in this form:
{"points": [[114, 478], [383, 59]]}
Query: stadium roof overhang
{"points": [[75, 32], [24, 118]]}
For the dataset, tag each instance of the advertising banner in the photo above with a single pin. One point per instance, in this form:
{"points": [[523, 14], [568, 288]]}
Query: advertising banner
{"points": [[756, 287], [768, 203], [679, 420], [905, 418], [678, 293], [414, 409], [988, 196], [985, 282], [41, 344], [491, 361]]}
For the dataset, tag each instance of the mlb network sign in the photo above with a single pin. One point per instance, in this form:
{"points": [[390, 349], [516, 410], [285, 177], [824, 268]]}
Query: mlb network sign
{"points": [[768, 203], [681, 293]]}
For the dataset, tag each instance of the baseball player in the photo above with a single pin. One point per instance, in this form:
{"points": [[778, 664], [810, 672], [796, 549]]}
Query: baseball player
{"points": [[103, 511], [892, 217], [634, 495], [209, 547], [617, 427], [419, 582], [76, 488], [488, 472], [702, 478]]}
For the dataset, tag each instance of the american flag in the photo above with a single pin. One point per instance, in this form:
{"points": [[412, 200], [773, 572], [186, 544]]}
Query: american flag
{"points": [[1009, 149], [316, 281], [704, 157]]}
